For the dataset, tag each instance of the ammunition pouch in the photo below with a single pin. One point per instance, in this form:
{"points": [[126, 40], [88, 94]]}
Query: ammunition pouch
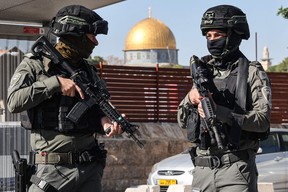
{"points": [[52, 114], [193, 122]]}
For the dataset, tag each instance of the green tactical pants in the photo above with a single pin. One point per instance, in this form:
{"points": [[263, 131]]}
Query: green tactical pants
{"points": [[240, 176], [72, 178]]}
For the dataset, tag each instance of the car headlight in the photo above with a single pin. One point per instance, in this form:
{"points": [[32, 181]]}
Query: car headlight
{"points": [[154, 168], [190, 171]]}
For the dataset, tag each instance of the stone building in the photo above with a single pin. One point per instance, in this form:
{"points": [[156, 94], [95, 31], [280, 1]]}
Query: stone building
{"points": [[150, 42], [9, 60]]}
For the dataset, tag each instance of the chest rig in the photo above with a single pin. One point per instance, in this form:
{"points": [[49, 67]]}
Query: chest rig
{"points": [[224, 93], [228, 88], [51, 113]]}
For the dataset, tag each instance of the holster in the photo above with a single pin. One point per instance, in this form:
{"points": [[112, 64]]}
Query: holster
{"points": [[23, 172]]}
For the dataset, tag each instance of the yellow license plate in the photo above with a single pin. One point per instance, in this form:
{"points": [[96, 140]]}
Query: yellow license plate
{"points": [[167, 182]]}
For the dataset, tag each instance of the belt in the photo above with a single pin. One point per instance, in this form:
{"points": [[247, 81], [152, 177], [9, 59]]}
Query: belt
{"points": [[92, 155], [217, 161]]}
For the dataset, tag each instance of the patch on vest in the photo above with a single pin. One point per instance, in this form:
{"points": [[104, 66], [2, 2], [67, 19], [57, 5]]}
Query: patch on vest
{"points": [[266, 92], [15, 79]]}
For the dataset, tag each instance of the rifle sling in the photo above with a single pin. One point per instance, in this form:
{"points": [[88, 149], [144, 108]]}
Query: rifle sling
{"points": [[240, 102], [241, 86]]}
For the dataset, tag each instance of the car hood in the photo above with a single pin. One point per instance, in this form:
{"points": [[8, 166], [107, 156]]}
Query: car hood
{"points": [[177, 162]]}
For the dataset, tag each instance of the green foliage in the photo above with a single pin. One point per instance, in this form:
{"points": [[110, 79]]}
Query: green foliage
{"points": [[96, 60], [283, 12], [171, 65], [282, 67]]}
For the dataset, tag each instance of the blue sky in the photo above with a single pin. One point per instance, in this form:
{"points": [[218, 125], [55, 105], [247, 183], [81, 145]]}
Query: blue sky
{"points": [[183, 18]]}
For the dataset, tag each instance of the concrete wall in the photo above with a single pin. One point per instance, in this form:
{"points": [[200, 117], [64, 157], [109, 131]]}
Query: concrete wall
{"points": [[128, 165]]}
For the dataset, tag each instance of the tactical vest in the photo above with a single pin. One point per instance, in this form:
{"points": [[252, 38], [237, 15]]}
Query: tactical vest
{"points": [[51, 113], [226, 96]]}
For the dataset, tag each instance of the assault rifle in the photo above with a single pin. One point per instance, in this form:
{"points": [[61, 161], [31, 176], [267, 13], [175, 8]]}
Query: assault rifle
{"points": [[94, 93], [201, 83]]}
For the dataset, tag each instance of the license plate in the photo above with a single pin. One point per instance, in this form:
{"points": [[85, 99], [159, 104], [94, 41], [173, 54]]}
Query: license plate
{"points": [[167, 182]]}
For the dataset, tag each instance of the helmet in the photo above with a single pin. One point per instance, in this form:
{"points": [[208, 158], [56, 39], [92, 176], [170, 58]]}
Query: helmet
{"points": [[77, 20], [226, 17]]}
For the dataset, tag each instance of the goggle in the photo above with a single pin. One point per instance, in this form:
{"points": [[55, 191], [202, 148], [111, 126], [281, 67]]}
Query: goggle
{"points": [[72, 24]]}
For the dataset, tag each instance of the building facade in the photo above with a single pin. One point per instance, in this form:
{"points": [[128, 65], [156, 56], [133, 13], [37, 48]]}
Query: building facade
{"points": [[9, 60], [150, 42]]}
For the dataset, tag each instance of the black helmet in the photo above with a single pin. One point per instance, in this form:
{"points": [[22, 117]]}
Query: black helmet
{"points": [[225, 17], [77, 20]]}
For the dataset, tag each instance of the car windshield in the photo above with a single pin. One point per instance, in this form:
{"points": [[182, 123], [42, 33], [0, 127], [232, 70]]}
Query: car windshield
{"points": [[270, 145], [276, 142]]}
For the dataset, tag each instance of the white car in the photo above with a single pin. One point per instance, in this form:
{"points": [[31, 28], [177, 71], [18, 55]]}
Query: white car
{"points": [[272, 164], [172, 170]]}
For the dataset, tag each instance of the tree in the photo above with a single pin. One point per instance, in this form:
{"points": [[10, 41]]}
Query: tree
{"points": [[113, 60], [283, 12], [96, 60], [282, 67], [172, 65]]}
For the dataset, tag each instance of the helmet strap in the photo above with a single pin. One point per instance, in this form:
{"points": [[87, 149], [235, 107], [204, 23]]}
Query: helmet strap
{"points": [[228, 49]]}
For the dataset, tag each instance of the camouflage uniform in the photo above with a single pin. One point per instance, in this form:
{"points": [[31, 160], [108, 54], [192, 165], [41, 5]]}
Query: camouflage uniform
{"points": [[256, 120], [29, 87], [229, 169], [65, 160]]}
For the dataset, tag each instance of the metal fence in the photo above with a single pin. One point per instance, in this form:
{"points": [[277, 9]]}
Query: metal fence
{"points": [[149, 94], [146, 94]]}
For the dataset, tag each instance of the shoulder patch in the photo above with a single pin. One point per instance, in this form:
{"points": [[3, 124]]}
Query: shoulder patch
{"points": [[263, 75], [266, 92], [15, 79]]}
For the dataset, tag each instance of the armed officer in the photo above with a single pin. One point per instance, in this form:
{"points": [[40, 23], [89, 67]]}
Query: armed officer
{"points": [[241, 96], [67, 155]]}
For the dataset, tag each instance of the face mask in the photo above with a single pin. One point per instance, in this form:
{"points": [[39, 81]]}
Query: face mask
{"points": [[82, 44], [87, 47], [216, 47]]}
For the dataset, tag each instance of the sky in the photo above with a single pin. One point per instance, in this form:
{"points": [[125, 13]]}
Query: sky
{"points": [[183, 18]]}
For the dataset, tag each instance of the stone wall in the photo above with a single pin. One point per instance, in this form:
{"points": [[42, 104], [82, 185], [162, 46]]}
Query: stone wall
{"points": [[128, 165]]}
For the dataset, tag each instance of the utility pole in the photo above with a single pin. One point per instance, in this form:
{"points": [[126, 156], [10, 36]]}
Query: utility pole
{"points": [[256, 56]]}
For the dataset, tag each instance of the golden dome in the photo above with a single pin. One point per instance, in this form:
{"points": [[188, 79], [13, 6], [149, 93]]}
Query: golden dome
{"points": [[150, 33]]}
